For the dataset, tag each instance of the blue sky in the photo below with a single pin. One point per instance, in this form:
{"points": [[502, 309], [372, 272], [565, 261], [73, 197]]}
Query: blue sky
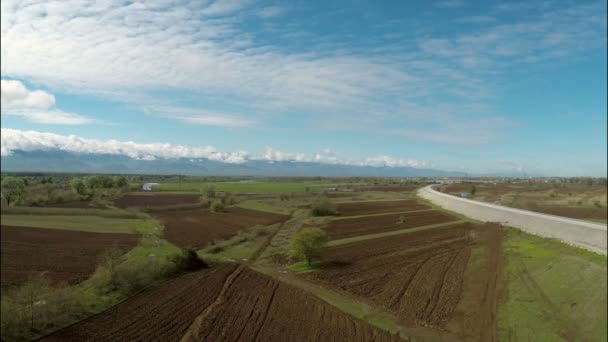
{"points": [[457, 85]]}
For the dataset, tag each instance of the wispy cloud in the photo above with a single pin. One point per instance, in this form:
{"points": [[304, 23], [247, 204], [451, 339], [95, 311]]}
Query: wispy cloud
{"points": [[449, 4], [272, 11], [18, 140], [36, 106]]}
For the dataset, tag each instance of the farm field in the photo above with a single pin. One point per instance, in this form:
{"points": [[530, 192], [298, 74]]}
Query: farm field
{"points": [[155, 199], [554, 292], [257, 307], [349, 227], [162, 313], [68, 256], [378, 207], [199, 227], [584, 203], [247, 187], [85, 223], [418, 277]]}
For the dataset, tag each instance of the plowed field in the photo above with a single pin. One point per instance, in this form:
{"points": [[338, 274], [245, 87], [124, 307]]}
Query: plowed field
{"points": [[418, 276], [259, 308], [377, 207], [390, 188], [344, 228], [68, 256], [196, 228], [162, 313], [156, 200]]}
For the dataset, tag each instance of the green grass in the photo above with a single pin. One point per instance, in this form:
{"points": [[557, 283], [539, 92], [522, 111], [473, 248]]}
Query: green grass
{"points": [[112, 213], [271, 187], [304, 267], [553, 291], [83, 223], [267, 207], [391, 233], [239, 247]]}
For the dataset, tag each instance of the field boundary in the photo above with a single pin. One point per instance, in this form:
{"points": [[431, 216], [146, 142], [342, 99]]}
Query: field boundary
{"points": [[378, 214], [353, 239], [587, 235]]}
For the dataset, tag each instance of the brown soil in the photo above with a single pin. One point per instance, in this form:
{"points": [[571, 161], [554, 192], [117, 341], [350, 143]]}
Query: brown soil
{"points": [[576, 213], [156, 200], [393, 188], [73, 204], [162, 313], [344, 228], [418, 277], [67, 256], [260, 308], [196, 228], [377, 207]]}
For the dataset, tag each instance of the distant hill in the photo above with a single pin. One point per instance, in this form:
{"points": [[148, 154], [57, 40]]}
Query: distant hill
{"points": [[61, 161]]}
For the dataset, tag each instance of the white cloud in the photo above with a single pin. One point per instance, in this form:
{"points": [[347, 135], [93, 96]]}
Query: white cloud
{"points": [[13, 140], [450, 4], [36, 106], [202, 117]]}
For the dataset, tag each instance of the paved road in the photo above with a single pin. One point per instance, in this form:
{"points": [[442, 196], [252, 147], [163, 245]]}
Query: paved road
{"points": [[588, 235]]}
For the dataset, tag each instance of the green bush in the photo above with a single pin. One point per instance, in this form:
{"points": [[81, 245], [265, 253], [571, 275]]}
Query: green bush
{"points": [[188, 261], [217, 207], [323, 207], [309, 244]]}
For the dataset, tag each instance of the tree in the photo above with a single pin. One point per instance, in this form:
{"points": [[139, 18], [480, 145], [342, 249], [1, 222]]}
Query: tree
{"points": [[472, 189], [120, 181], [209, 191], [323, 207], [79, 187], [13, 189], [309, 243], [216, 207]]}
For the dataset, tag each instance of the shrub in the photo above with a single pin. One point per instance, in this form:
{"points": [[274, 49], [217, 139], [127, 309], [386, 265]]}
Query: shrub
{"points": [[323, 207], [217, 207], [309, 244], [13, 189], [188, 260]]}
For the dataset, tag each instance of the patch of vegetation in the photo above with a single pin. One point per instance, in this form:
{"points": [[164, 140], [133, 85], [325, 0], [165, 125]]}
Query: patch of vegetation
{"points": [[109, 213], [323, 207], [239, 247], [217, 207], [553, 291], [304, 267], [309, 244], [267, 207], [80, 223], [248, 187]]}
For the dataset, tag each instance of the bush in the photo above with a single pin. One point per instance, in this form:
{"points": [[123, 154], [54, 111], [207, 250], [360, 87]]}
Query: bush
{"points": [[323, 207], [188, 261], [309, 244], [217, 207]]}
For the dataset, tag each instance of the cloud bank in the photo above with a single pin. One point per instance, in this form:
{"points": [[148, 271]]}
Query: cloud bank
{"points": [[18, 140], [36, 106]]}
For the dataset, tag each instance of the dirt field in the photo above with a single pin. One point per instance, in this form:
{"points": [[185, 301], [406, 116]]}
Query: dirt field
{"points": [[377, 207], [390, 188], [162, 313], [156, 200], [259, 308], [196, 228], [419, 277], [584, 203], [344, 228], [68, 256]]}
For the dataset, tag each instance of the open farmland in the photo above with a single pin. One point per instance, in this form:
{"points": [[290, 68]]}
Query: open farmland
{"points": [[196, 228], [349, 227], [85, 223], [242, 187], [162, 313], [378, 207], [68, 256], [257, 307], [156, 200], [389, 188], [419, 277], [578, 202]]}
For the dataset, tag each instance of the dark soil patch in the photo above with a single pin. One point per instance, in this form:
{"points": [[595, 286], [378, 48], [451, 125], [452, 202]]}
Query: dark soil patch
{"points": [[67, 256], [197, 228], [162, 313], [344, 228], [378, 207], [156, 200]]}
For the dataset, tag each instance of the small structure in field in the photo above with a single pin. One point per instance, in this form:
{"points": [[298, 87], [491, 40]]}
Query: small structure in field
{"points": [[464, 194], [148, 186]]}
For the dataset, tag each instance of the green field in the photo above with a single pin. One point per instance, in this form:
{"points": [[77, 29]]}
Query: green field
{"points": [[554, 292], [271, 187], [81, 223]]}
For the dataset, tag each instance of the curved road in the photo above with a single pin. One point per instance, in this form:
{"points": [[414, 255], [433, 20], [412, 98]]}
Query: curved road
{"points": [[588, 235]]}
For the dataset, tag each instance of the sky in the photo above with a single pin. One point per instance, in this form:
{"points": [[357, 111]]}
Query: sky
{"points": [[461, 85]]}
